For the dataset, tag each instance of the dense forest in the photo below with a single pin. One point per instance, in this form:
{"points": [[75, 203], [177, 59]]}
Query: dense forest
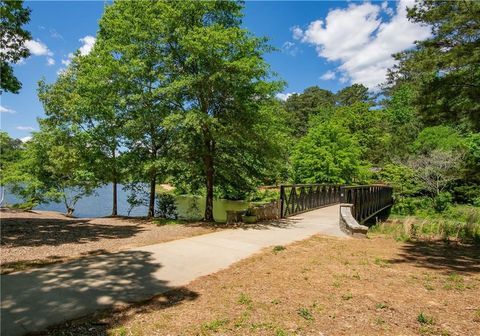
{"points": [[184, 96]]}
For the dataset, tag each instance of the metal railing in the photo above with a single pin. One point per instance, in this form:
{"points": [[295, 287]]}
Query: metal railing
{"points": [[298, 198], [367, 200]]}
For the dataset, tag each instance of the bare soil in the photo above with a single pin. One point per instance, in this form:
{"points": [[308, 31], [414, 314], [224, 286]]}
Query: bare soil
{"points": [[320, 286], [35, 238]]}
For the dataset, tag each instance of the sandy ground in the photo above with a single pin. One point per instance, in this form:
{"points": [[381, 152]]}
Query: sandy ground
{"points": [[34, 238], [320, 286]]}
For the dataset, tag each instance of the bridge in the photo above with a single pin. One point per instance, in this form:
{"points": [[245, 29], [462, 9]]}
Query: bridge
{"points": [[359, 205]]}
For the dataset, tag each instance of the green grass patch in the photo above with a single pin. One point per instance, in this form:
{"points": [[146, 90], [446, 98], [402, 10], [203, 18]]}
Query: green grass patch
{"points": [[305, 313], [423, 318]]}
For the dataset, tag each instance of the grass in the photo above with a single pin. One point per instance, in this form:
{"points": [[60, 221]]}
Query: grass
{"points": [[458, 223], [278, 248], [305, 313], [422, 318], [214, 325]]}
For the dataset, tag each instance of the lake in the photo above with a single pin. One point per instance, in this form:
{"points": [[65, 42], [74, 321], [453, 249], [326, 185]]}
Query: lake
{"points": [[100, 205]]}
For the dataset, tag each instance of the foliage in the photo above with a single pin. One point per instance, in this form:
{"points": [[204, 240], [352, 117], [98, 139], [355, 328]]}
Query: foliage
{"points": [[442, 201], [166, 206], [445, 68], [313, 101], [12, 46], [408, 206], [356, 93], [9, 150], [54, 167], [436, 170], [437, 138], [328, 153], [400, 177]]}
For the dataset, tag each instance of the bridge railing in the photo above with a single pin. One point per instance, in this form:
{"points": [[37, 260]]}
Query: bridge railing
{"points": [[298, 198], [367, 200]]}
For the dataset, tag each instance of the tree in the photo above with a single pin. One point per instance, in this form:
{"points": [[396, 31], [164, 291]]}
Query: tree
{"points": [[9, 150], [220, 81], [312, 102], [12, 42], [367, 125], [438, 138], [403, 124], [356, 93], [444, 69], [138, 71], [328, 153], [55, 166], [436, 170], [85, 97]]}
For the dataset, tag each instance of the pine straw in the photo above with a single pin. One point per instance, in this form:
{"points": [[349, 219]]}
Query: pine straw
{"points": [[320, 286]]}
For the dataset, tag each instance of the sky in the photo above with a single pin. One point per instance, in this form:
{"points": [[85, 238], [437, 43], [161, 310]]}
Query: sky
{"points": [[331, 44]]}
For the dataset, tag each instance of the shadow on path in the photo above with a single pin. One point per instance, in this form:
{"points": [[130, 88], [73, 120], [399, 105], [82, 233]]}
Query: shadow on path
{"points": [[41, 231], [34, 300], [442, 256]]}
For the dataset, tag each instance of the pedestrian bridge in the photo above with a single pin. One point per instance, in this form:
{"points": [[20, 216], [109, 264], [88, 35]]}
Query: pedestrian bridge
{"points": [[358, 204]]}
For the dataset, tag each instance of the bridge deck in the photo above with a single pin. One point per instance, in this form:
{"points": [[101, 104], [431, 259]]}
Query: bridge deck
{"points": [[33, 300]]}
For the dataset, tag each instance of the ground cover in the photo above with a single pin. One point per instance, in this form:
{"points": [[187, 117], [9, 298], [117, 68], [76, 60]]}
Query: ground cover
{"points": [[320, 286]]}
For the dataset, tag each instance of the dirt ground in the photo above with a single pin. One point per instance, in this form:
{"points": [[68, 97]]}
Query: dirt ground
{"points": [[320, 286], [35, 238]]}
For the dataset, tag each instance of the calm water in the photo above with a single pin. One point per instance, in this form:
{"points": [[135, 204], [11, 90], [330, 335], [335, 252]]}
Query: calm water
{"points": [[100, 205]]}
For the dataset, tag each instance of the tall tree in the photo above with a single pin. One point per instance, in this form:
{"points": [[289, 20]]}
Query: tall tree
{"points": [[12, 42], [221, 81], [356, 93], [312, 102], [445, 69], [139, 73]]}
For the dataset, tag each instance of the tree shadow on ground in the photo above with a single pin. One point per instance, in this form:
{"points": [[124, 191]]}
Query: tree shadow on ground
{"points": [[440, 255], [283, 223], [36, 299], [41, 231]]}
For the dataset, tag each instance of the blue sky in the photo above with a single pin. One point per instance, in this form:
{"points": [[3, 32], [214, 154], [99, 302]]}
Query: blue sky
{"points": [[331, 44]]}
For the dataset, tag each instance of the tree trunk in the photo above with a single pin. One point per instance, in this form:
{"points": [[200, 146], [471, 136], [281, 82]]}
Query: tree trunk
{"points": [[151, 204], [209, 174], [114, 190]]}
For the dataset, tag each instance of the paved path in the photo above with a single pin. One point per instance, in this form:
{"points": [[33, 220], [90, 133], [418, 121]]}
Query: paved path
{"points": [[35, 299]]}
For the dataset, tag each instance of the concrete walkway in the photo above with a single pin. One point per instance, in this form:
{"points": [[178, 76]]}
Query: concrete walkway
{"points": [[33, 300]]}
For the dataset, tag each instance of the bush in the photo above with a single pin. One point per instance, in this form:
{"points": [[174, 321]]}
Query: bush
{"points": [[408, 206], [166, 206], [442, 201], [266, 195]]}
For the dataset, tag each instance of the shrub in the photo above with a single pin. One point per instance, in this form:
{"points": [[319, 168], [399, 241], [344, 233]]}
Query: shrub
{"points": [[442, 201], [408, 206], [166, 206]]}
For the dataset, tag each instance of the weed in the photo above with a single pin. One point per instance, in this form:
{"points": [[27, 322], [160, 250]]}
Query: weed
{"points": [[381, 305], [281, 332], [214, 325], [120, 331], [424, 319], [278, 248], [305, 313], [455, 281], [379, 321], [276, 301], [476, 316], [336, 284], [381, 262], [356, 276], [347, 296], [244, 299], [428, 286]]}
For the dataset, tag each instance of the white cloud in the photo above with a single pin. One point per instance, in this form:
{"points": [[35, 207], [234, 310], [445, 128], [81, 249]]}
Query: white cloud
{"points": [[50, 61], [284, 96], [290, 48], [362, 42], [25, 128], [38, 48], [297, 32], [329, 75], [88, 43], [4, 109], [25, 139]]}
